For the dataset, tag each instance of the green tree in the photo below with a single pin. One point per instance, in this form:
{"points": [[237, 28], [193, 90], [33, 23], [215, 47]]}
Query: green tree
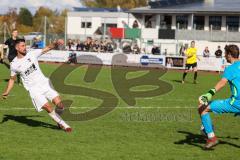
{"points": [[38, 18], [44, 11], [128, 4], [11, 18], [55, 20], [25, 17]]}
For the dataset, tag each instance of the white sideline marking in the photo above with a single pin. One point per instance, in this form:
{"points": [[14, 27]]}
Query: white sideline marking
{"points": [[128, 107], [155, 98]]}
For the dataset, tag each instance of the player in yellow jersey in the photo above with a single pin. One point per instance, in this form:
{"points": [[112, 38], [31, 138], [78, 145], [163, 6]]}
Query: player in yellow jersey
{"points": [[191, 54]]}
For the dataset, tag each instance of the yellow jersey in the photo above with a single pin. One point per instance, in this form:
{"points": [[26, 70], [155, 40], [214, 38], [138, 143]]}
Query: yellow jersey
{"points": [[191, 54]]}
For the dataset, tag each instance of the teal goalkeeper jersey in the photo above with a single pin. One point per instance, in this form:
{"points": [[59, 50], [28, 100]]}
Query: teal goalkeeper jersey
{"points": [[232, 74]]}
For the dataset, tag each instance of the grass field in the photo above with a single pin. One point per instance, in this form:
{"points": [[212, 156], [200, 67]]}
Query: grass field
{"points": [[164, 127]]}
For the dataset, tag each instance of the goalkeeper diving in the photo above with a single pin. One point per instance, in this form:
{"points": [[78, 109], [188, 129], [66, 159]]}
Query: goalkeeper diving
{"points": [[231, 105]]}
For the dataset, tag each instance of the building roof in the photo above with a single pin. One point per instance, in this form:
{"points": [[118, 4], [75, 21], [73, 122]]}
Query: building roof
{"points": [[89, 9], [100, 14], [195, 6]]}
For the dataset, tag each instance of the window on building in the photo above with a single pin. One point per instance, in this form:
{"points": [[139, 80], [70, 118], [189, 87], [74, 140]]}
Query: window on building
{"points": [[110, 25], [166, 22], [232, 22], [182, 22], [199, 22], [86, 25], [215, 22], [150, 21]]}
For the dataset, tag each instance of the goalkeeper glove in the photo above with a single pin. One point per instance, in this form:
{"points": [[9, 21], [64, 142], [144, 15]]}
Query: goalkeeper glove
{"points": [[205, 98]]}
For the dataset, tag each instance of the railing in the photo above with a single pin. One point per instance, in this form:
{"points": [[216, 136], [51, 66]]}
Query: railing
{"points": [[220, 36]]}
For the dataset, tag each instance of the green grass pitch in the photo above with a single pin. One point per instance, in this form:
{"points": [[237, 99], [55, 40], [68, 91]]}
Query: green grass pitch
{"points": [[164, 127]]}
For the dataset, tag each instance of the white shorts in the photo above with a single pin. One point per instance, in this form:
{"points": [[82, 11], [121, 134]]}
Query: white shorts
{"points": [[41, 95]]}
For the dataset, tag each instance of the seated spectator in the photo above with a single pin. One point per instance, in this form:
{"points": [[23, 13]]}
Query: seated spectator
{"points": [[206, 52], [155, 50], [102, 47], [108, 46], [218, 52], [70, 45], [88, 44], [96, 46], [80, 46], [39, 42], [126, 48], [136, 49], [34, 45], [61, 46]]}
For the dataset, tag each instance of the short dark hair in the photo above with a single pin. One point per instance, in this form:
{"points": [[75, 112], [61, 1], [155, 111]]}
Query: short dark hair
{"points": [[14, 30], [233, 50], [20, 40]]}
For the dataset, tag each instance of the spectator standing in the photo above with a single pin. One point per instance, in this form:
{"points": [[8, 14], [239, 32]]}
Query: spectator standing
{"points": [[155, 50], [12, 52], [165, 52], [11, 42], [218, 52], [182, 51], [206, 52], [135, 24]]}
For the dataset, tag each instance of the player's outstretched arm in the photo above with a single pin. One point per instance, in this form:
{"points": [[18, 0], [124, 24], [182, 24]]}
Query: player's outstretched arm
{"points": [[221, 84], [49, 47], [53, 45], [9, 87], [205, 98]]}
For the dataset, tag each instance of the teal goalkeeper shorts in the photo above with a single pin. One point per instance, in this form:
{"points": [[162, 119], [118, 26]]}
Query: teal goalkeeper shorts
{"points": [[223, 106]]}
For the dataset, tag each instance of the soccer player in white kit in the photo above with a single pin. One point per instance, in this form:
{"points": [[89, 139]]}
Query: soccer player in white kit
{"points": [[38, 86]]}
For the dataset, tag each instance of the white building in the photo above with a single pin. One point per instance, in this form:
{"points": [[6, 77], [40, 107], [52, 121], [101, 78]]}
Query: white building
{"points": [[166, 23], [209, 22], [84, 22]]}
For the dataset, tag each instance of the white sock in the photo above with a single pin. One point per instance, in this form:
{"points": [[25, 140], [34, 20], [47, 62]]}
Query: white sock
{"points": [[58, 119], [202, 127], [211, 135]]}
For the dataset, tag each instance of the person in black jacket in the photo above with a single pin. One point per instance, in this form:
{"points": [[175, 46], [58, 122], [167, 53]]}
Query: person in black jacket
{"points": [[218, 52], [12, 53]]}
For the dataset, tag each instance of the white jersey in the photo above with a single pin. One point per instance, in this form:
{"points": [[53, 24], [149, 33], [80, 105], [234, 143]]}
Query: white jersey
{"points": [[29, 70]]}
